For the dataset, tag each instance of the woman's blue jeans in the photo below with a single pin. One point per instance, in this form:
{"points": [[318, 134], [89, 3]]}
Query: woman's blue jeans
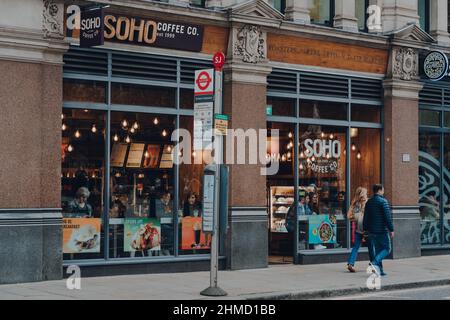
{"points": [[356, 246]]}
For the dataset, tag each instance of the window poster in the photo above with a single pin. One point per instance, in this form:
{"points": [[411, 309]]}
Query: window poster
{"points": [[322, 229], [135, 155], [152, 156], [192, 236], [142, 234], [81, 235], [118, 154]]}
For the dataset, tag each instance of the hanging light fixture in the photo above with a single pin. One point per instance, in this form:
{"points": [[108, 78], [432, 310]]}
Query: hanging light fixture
{"points": [[358, 155], [301, 166], [124, 123], [194, 154], [70, 148], [62, 116], [164, 133], [77, 134], [93, 175], [147, 154], [155, 121], [86, 110], [94, 128], [136, 125], [322, 135], [169, 149], [302, 154], [128, 139], [313, 159], [290, 135], [331, 136], [116, 138], [64, 127], [353, 147], [132, 130]]}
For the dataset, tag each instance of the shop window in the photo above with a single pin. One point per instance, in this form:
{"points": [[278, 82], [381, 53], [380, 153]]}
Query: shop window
{"points": [[82, 183], [430, 118], [281, 107], [429, 187], [191, 239], [280, 5], [322, 176], [139, 95], [361, 14], [366, 113], [84, 91], [323, 110], [447, 119], [322, 12], [446, 193], [197, 3], [424, 14], [281, 190], [141, 216], [187, 99]]}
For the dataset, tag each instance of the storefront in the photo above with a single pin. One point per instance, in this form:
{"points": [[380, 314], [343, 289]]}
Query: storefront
{"points": [[330, 143]]}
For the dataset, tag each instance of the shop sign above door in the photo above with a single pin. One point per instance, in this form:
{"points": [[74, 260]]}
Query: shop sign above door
{"points": [[142, 31], [435, 65]]}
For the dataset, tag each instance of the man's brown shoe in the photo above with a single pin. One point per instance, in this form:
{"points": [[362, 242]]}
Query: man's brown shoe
{"points": [[350, 268]]}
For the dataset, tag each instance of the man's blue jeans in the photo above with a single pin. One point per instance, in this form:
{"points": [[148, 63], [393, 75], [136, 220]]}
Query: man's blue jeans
{"points": [[380, 244], [356, 246]]}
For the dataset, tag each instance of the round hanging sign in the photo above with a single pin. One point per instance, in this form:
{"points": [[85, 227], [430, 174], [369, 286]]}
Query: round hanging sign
{"points": [[435, 65]]}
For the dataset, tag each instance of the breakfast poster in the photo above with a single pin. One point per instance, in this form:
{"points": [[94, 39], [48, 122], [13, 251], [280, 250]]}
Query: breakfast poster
{"points": [[142, 234], [81, 235], [192, 236], [322, 229]]}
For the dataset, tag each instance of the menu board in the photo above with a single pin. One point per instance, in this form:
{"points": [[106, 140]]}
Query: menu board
{"points": [[152, 157], [167, 158], [135, 155], [118, 154]]}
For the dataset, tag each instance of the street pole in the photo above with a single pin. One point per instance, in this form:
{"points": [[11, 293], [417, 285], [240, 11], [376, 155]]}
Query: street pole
{"points": [[214, 290]]}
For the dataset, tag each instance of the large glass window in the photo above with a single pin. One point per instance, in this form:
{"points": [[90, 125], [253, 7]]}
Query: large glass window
{"points": [[141, 207], [323, 110], [280, 5], [84, 91], [424, 14], [366, 113], [322, 175], [430, 118], [447, 119], [322, 12], [82, 183], [429, 187], [138, 95], [361, 14], [281, 107]]}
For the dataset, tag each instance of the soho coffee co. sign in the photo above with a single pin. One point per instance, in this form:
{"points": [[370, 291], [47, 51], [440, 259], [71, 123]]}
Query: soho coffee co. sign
{"points": [[325, 152], [435, 65], [134, 30]]}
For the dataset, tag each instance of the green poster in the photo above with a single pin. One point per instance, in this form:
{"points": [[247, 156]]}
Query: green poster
{"points": [[142, 234]]}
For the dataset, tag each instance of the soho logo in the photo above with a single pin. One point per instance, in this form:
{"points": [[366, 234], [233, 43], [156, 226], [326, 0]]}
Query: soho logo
{"points": [[321, 148], [435, 65]]}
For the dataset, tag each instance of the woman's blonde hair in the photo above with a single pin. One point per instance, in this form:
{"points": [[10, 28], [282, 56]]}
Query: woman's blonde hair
{"points": [[360, 196]]}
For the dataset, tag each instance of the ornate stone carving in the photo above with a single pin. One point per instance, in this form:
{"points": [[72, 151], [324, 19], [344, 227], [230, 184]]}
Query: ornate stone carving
{"points": [[250, 44], [52, 20], [405, 64]]}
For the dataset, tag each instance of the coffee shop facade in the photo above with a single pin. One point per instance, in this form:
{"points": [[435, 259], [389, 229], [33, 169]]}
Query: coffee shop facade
{"points": [[96, 123]]}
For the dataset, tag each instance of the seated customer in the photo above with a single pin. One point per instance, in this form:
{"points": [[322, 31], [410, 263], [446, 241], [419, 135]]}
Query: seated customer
{"points": [[78, 207], [163, 206], [191, 206]]}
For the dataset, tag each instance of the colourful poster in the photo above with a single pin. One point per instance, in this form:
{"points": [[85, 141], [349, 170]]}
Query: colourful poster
{"points": [[192, 236], [322, 229], [81, 235], [142, 234]]}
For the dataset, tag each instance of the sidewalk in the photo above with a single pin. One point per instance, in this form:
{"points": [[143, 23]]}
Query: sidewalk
{"points": [[275, 282]]}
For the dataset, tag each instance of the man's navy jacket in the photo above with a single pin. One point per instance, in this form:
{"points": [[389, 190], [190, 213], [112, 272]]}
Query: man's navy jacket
{"points": [[377, 216]]}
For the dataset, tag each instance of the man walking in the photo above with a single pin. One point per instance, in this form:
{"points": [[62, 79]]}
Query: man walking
{"points": [[378, 223]]}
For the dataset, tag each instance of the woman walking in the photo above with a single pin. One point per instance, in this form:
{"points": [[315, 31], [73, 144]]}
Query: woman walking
{"points": [[356, 214]]}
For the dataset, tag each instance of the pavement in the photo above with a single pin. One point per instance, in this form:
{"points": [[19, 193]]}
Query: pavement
{"points": [[275, 282]]}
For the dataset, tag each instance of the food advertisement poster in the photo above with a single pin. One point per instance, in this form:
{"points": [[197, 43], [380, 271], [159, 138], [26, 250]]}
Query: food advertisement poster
{"points": [[81, 235], [151, 159], [142, 234], [322, 229], [192, 236]]}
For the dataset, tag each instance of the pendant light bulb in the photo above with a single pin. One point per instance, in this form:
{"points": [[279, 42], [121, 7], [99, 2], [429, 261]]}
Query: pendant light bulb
{"points": [[64, 127], [124, 123], [94, 128], [136, 125], [116, 138], [147, 154], [164, 133], [132, 130], [70, 148], [127, 139], [358, 155], [353, 147], [77, 134], [155, 121], [290, 135]]}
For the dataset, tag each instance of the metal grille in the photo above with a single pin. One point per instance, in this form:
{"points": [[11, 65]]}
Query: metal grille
{"points": [[188, 69], [370, 89], [431, 95], [282, 81], [86, 62], [146, 67], [323, 85]]}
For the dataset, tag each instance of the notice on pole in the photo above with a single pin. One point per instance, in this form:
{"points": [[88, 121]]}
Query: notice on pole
{"points": [[220, 124], [208, 203], [203, 109]]}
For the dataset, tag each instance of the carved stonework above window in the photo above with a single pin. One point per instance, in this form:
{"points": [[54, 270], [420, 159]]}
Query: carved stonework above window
{"points": [[405, 64], [250, 44], [52, 20]]}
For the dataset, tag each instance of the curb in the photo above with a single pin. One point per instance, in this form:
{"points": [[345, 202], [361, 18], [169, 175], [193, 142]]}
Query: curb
{"points": [[347, 291]]}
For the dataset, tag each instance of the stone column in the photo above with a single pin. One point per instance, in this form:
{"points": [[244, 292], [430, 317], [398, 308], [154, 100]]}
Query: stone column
{"points": [[396, 14], [345, 15], [401, 145], [439, 22], [31, 51], [298, 11], [245, 101]]}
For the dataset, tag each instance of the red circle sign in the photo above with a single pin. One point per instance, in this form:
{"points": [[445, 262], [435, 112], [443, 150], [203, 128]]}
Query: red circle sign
{"points": [[218, 60], [203, 80]]}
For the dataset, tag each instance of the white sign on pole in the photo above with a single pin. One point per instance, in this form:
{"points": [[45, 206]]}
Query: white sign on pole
{"points": [[203, 109], [208, 203]]}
